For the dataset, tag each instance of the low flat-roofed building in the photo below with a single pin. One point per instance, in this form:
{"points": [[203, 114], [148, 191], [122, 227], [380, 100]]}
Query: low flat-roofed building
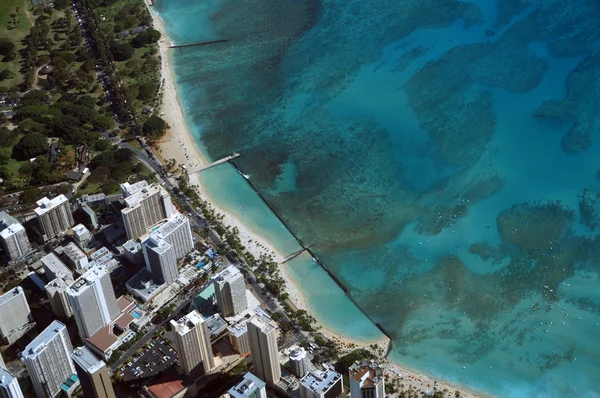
{"points": [[73, 256], [144, 285], [171, 385], [215, 325], [250, 387], [321, 384], [106, 340], [105, 258], [54, 268]]}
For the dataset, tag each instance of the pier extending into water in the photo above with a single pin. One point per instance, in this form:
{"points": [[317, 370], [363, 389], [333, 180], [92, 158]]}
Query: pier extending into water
{"points": [[216, 163], [199, 43]]}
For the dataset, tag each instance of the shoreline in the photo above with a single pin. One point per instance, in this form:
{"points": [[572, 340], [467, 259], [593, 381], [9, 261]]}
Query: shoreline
{"points": [[174, 145]]}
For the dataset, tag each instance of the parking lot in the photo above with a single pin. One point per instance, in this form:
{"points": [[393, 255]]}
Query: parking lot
{"points": [[158, 357]]}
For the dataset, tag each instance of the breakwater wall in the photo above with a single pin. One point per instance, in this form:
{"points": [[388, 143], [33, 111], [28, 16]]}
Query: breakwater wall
{"points": [[309, 251]]}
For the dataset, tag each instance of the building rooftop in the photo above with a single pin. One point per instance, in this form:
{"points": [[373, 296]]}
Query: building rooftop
{"points": [[99, 197], [80, 230], [105, 338], [58, 284], [6, 220], [42, 339], [367, 372], [11, 230], [167, 386], [86, 359], [174, 222], [187, 323], [247, 387], [297, 353], [72, 251], [87, 279], [144, 284], [215, 324], [241, 326], [5, 377], [46, 204], [265, 323], [52, 263], [227, 274], [133, 194], [320, 381], [132, 246], [157, 243], [11, 294]]}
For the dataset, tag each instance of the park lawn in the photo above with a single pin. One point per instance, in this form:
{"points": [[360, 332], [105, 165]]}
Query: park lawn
{"points": [[16, 33], [147, 174], [90, 188], [14, 165]]}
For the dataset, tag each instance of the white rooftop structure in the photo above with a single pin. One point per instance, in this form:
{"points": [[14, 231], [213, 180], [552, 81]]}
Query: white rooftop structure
{"points": [[9, 386], [84, 357], [105, 258], [318, 383], [45, 204], [54, 268], [75, 256], [251, 386]]}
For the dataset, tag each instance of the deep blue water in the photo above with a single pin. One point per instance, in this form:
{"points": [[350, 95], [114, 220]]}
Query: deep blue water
{"points": [[441, 156]]}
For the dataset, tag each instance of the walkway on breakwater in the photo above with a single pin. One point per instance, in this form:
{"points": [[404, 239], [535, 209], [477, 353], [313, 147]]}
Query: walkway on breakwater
{"points": [[199, 43]]}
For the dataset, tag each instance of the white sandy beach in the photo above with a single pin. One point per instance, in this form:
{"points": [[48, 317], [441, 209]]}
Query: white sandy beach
{"points": [[178, 144]]}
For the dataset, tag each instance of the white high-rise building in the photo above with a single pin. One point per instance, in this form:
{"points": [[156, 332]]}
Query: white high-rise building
{"points": [[54, 216], [160, 259], [322, 384], [48, 360], [93, 301], [9, 386], [146, 205], [13, 238], [178, 233], [15, 315], [250, 387], [299, 363], [192, 344], [262, 332], [54, 268], [230, 291], [366, 380], [82, 236], [56, 290], [93, 374]]}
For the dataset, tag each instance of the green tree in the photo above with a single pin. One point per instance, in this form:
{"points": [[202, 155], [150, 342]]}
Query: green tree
{"points": [[31, 195], [60, 4], [146, 91], [121, 51], [154, 127], [6, 47], [30, 145]]}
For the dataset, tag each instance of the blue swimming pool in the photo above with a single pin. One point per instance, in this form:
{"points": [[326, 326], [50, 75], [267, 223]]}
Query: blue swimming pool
{"points": [[136, 315]]}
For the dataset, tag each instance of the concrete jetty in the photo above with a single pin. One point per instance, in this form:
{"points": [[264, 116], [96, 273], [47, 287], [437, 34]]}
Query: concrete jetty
{"points": [[216, 163]]}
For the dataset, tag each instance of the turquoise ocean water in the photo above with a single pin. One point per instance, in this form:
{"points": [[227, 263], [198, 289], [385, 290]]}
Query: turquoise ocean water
{"points": [[442, 157]]}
